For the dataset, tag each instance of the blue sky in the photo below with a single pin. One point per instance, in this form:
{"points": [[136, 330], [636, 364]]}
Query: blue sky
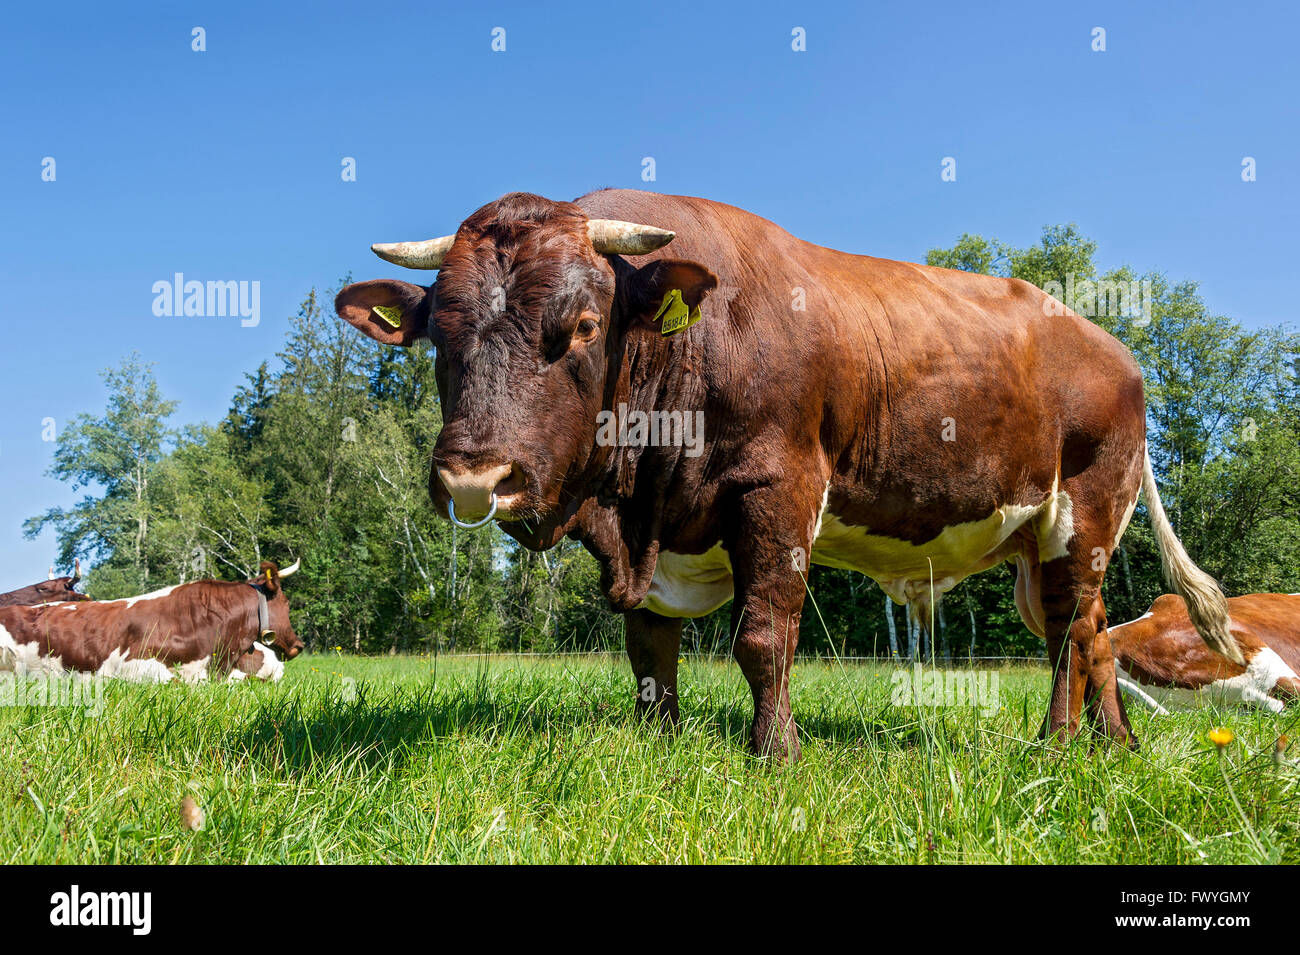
{"points": [[225, 164]]}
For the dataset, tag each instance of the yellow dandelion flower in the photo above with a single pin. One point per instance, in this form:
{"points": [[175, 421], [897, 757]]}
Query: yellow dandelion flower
{"points": [[1220, 736]]}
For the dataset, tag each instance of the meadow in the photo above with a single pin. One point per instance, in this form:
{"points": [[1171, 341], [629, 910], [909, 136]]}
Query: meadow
{"points": [[540, 760]]}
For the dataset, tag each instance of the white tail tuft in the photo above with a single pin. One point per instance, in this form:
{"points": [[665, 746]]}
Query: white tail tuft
{"points": [[1206, 604]]}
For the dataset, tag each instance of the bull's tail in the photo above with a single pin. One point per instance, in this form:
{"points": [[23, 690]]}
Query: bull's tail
{"points": [[1206, 604]]}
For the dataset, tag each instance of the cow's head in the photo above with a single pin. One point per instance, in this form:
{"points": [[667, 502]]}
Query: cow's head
{"points": [[529, 315], [285, 642], [58, 588]]}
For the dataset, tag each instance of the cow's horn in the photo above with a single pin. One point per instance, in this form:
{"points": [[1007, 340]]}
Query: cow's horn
{"points": [[76, 569], [291, 569], [612, 237], [415, 255], [51, 577]]}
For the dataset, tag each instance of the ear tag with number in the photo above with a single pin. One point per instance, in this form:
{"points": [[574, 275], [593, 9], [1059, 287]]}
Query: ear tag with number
{"points": [[393, 316], [676, 316]]}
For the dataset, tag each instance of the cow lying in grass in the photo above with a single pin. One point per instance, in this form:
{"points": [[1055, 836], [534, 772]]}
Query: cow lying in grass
{"points": [[1161, 661], [189, 631], [47, 591]]}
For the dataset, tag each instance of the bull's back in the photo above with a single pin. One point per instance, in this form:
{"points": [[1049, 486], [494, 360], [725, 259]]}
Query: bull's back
{"points": [[797, 332]]}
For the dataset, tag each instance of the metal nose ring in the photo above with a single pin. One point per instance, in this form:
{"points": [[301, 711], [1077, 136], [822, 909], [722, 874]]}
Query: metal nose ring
{"points": [[451, 512]]}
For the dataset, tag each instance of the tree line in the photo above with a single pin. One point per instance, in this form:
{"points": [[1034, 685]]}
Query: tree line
{"points": [[324, 455]]}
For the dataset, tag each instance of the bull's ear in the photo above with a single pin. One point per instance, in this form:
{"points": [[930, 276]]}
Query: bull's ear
{"points": [[268, 577], [389, 311], [648, 286]]}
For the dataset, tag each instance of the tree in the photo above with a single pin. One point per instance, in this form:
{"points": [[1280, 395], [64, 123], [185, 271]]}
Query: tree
{"points": [[116, 454]]}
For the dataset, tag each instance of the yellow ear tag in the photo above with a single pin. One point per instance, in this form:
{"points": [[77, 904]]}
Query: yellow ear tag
{"points": [[268, 577], [676, 316], [393, 316]]}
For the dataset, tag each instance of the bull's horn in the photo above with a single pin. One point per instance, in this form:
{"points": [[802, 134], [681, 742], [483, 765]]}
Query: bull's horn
{"points": [[291, 569], [415, 255], [76, 569], [51, 577], [612, 237]]}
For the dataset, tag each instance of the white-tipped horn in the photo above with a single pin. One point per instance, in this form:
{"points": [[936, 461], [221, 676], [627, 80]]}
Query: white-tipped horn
{"points": [[291, 569], [612, 237], [415, 255], [51, 577], [76, 569]]}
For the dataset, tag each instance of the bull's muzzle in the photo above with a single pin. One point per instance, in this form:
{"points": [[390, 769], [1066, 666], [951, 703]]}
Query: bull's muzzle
{"points": [[473, 493], [470, 525]]}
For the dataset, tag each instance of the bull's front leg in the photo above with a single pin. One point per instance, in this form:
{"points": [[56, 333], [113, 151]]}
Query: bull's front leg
{"points": [[653, 644], [769, 557]]}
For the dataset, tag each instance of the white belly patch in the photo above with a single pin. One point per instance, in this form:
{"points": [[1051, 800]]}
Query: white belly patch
{"points": [[119, 666], [910, 572], [1251, 688], [692, 585], [689, 585], [194, 672]]}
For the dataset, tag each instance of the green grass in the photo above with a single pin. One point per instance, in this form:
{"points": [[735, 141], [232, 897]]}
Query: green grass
{"points": [[541, 760]]}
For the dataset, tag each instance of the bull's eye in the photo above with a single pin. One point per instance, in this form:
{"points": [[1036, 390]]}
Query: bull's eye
{"points": [[588, 327]]}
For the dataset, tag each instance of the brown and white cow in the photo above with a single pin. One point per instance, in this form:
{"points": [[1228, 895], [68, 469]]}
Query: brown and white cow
{"points": [[915, 424], [47, 591], [185, 631], [1161, 661]]}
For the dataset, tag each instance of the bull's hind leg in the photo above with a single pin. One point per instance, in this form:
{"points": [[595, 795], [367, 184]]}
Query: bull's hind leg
{"points": [[653, 643], [1079, 649]]}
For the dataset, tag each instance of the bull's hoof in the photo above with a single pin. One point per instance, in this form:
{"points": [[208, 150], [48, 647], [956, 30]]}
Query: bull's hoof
{"points": [[1105, 738], [662, 712], [778, 749], [1122, 739]]}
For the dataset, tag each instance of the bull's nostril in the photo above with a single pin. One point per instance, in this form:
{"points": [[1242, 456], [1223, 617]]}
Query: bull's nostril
{"points": [[472, 490], [513, 483]]}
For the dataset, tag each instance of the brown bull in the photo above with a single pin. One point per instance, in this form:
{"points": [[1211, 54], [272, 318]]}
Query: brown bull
{"points": [[1162, 662], [915, 424], [194, 629], [47, 591]]}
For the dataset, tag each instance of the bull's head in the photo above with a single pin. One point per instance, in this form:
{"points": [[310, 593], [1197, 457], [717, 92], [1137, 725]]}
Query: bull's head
{"points": [[529, 316]]}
